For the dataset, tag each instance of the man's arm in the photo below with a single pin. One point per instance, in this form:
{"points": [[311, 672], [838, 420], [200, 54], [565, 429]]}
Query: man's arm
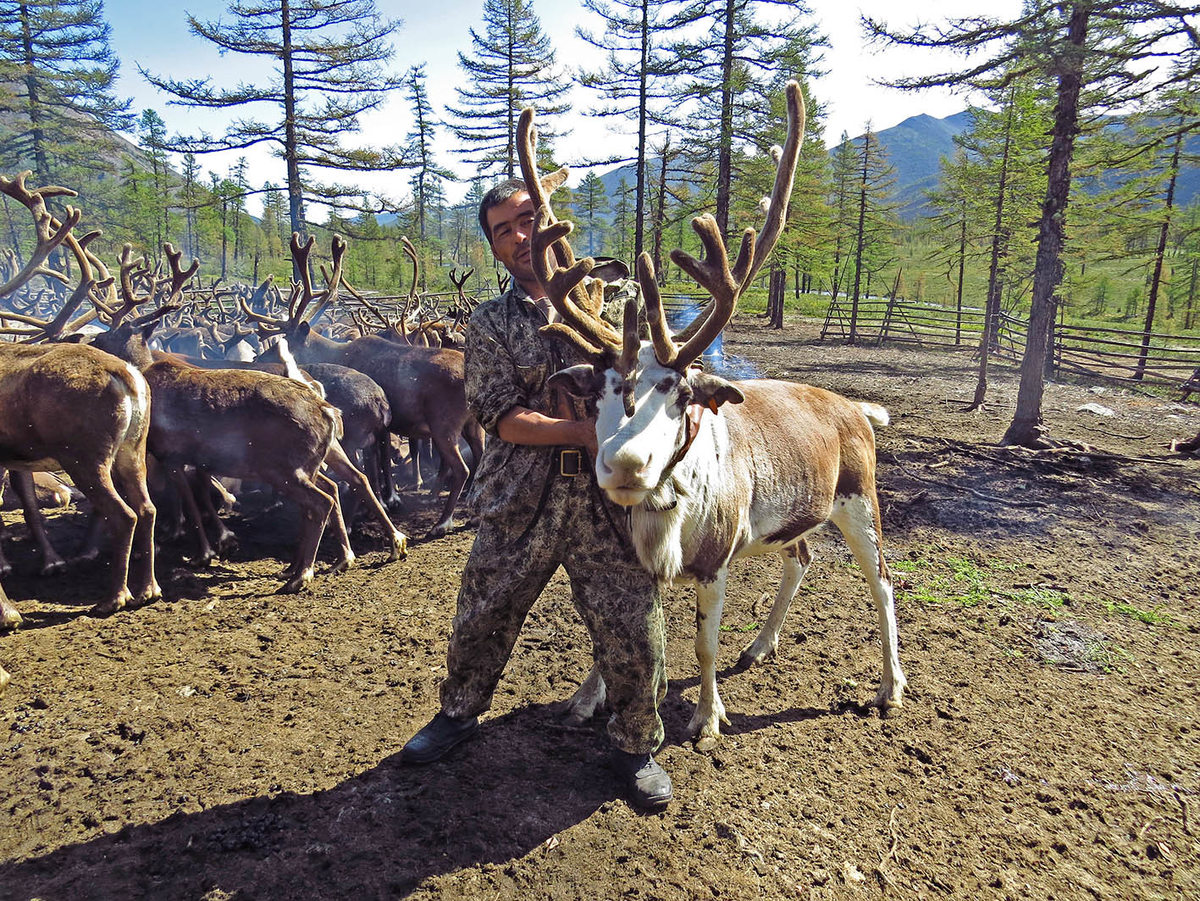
{"points": [[520, 425]]}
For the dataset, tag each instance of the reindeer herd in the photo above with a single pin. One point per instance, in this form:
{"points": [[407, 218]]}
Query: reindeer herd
{"points": [[710, 470], [130, 392]]}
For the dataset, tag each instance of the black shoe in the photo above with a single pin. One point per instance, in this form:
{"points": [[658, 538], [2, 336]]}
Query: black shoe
{"points": [[437, 739], [648, 783]]}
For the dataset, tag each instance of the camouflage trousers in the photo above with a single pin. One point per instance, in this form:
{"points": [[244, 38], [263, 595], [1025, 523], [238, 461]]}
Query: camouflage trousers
{"points": [[512, 560]]}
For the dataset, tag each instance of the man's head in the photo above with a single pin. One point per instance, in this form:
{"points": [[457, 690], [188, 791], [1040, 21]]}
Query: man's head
{"points": [[506, 217]]}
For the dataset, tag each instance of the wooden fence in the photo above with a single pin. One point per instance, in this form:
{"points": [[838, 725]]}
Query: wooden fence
{"points": [[1114, 354]]}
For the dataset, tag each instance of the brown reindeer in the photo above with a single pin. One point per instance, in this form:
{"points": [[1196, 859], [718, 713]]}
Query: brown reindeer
{"points": [[243, 424], [424, 385], [712, 470], [79, 409]]}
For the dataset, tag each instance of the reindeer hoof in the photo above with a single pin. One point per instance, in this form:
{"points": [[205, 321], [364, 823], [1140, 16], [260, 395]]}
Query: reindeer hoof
{"points": [[344, 564], [5, 678], [399, 546], [108, 608], [296, 584], [5, 570], [889, 697], [440, 530], [9, 619], [149, 596], [53, 567]]}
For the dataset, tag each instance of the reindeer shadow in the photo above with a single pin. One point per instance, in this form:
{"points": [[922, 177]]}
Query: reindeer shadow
{"points": [[381, 833]]}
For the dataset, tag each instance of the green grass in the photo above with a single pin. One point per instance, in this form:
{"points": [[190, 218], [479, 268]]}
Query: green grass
{"points": [[1153, 616], [748, 627], [957, 581]]}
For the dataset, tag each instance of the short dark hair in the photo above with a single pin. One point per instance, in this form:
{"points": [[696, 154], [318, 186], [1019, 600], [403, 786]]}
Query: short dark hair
{"points": [[495, 197]]}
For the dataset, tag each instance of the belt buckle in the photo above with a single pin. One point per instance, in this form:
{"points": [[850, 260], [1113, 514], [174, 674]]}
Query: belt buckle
{"points": [[564, 469]]}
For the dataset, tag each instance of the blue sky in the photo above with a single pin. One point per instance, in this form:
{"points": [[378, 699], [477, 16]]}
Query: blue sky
{"points": [[155, 35]]}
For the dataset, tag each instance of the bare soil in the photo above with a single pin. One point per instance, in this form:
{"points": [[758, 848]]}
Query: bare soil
{"points": [[235, 743]]}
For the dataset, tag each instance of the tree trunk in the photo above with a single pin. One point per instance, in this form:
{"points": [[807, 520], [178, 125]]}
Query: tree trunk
{"points": [[858, 241], [290, 156], [991, 311], [1159, 253], [1026, 427], [725, 139], [640, 201]]}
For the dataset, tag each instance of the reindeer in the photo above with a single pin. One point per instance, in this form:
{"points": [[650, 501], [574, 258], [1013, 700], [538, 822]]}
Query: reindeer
{"points": [[424, 385], [76, 408], [239, 423], [713, 470]]}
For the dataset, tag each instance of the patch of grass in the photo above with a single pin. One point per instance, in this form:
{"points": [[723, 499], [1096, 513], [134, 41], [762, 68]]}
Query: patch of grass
{"points": [[955, 580], [1109, 656], [1153, 616], [748, 627], [1050, 599]]}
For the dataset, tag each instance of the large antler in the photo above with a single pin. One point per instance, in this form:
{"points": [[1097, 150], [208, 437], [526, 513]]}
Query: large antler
{"points": [[577, 304], [52, 233], [713, 273]]}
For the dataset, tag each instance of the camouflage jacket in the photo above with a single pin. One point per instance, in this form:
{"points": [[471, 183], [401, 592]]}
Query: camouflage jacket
{"points": [[508, 364]]}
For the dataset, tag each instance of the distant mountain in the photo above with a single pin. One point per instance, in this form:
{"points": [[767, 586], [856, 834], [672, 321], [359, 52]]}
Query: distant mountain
{"points": [[914, 148]]}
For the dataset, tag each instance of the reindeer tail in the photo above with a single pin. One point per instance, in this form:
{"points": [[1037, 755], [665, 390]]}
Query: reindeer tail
{"points": [[876, 415]]}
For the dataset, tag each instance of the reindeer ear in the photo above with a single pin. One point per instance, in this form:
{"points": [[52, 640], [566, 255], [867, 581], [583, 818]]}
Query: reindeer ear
{"points": [[711, 391], [582, 380], [302, 330], [149, 327]]}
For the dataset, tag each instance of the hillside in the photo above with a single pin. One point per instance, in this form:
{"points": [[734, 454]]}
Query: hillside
{"points": [[914, 148]]}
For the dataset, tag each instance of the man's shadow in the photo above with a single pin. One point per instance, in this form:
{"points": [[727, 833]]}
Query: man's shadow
{"points": [[525, 778], [378, 834]]}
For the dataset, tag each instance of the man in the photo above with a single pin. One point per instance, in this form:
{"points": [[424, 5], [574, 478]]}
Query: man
{"points": [[540, 508]]}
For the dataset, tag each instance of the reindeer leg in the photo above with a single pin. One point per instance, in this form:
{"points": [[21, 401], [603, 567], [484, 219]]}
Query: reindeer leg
{"points": [[22, 483], [315, 507], [192, 513], [340, 464], [857, 518], [796, 560], [9, 617], [130, 475], [97, 486], [5, 566], [710, 712], [448, 447], [590, 697], [329, 486], [391, 497], [204, 488]]}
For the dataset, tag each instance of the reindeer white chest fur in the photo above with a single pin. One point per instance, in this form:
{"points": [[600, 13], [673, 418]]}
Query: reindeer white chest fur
{"points": [[770, 463], [756, 477]]}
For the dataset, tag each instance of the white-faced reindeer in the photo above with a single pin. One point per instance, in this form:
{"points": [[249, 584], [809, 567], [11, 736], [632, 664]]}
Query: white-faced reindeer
{"points": [[74, 407], [713, 470]]}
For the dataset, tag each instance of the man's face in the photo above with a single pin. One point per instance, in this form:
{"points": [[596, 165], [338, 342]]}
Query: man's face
{"points": [[511, 224]]}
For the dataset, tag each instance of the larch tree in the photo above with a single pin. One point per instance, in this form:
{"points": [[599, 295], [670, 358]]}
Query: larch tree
{"points": [[737, 56], [59, 75], [329, 68], [512, 66], [874, 218], [591, 203], [636, 81], [427, 175], [1097, 54]]}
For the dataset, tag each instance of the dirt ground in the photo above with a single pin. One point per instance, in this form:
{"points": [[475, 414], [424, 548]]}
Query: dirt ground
{"points": [[234, 743]]}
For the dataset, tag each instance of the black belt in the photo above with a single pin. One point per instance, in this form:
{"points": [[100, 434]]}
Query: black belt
{"points": [[569, 461]]}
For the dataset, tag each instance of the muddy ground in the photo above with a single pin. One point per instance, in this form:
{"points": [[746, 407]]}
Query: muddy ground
{"points": [[235, 743]]}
